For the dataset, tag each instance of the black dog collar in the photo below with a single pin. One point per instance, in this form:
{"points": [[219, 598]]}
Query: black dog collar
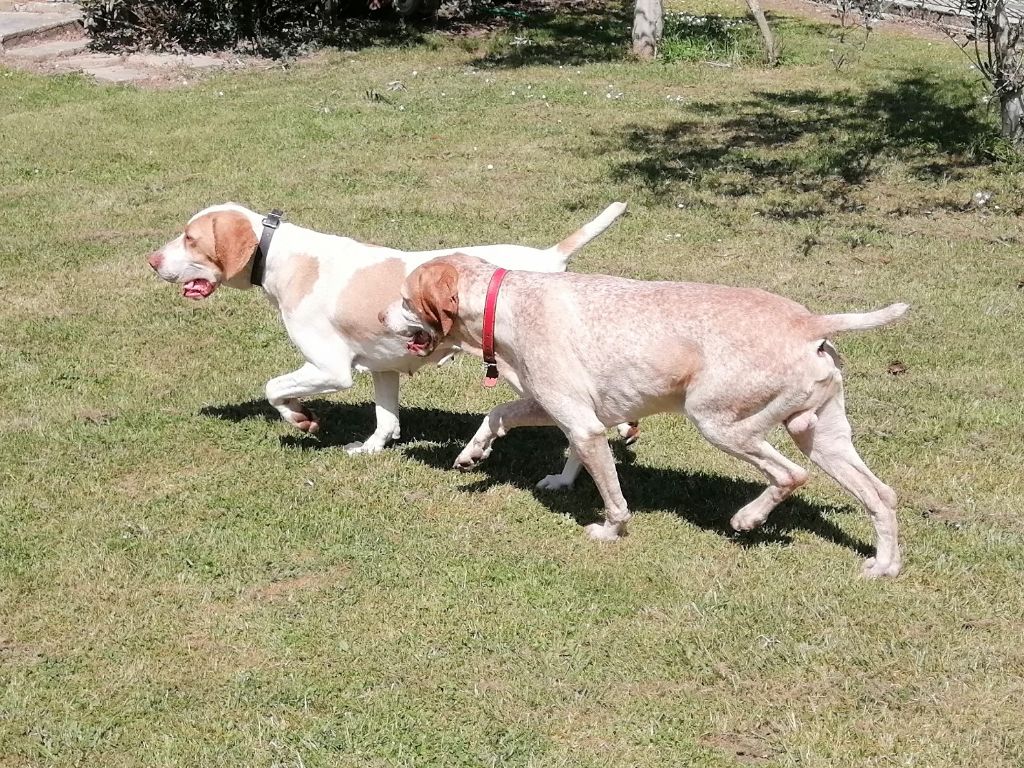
{"points": [[259, 258]]}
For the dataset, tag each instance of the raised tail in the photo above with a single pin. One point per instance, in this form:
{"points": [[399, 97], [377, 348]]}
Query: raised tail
{"points": [[589, 231], [823, 326]]}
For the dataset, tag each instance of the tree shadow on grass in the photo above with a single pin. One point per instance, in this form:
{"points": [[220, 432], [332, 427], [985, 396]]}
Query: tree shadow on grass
{"points": [[807, 151], [566, 33], [526, 455], [517, 34]]}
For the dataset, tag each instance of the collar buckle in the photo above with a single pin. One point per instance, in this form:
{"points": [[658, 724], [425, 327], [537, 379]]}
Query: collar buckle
{"points": [[270, 224], [273, 219]]}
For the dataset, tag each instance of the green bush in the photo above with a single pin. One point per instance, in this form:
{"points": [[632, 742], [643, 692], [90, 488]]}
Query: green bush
{"points": [[266, 27]]}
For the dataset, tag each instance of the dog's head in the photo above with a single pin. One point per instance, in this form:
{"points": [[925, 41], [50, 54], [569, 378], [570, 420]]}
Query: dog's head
{"points": [[428, 308], [216, 247]]}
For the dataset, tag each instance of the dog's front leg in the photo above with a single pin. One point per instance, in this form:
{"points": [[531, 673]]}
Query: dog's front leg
{"points": [[284, 392], [517, 413], [595, 454], [385, 395]]}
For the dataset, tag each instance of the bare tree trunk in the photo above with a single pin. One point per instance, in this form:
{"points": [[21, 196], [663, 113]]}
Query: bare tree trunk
{"points": [[1011, 110], [1008, 76], [647, 28], [771, 53]]}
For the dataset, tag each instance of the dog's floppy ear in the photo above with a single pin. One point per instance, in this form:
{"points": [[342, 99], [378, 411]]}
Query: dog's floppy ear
{"points": [[435, 294], [233, 241]]}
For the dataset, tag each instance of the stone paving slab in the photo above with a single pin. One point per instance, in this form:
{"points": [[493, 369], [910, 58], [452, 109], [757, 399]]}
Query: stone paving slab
{"points": [[146, 68], [169, 60], [16, 25], [104, 67], [39, 6], [50, 49]]}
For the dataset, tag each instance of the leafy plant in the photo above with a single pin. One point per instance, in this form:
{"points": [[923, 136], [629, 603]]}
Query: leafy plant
{"points": [[689, 37], [266, 27]]}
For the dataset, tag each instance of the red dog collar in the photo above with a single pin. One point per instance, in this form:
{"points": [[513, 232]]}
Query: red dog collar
{"points": [[491, 373]]}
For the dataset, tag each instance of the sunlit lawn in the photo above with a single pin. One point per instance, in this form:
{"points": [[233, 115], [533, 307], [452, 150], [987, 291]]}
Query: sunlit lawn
{"points": [[184, 581]]}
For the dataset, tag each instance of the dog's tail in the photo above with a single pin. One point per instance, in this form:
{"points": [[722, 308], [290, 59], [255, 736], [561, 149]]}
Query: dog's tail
{"points": [[588, 231], [823, 326]]}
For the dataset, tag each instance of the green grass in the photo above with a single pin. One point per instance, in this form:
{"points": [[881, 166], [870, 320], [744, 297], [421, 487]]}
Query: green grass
{"points": [[186, 582], [710, 38]]}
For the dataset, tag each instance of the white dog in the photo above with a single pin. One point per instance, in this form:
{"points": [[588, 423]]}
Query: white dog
{"points": [[330, 291]]}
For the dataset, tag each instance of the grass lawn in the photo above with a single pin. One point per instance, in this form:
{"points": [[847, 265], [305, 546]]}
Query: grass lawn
{"points": [[185, 581]]}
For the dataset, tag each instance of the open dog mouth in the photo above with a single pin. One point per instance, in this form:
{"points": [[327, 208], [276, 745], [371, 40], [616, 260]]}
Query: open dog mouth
{"points": [[198, 289], [420, 344]]}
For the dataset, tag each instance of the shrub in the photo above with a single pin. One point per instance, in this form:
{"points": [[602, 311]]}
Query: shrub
{"points": [[266, 27]]}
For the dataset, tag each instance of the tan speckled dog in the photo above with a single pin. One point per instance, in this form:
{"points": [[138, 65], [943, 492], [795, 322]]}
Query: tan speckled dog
{"points": [[591, 351]]}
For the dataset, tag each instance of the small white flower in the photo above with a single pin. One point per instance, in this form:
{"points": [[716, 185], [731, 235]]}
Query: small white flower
{"points": [[490, 167]]}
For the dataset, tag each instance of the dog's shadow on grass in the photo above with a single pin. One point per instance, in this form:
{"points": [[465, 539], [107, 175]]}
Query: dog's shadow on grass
{"points": [[524, 456]]}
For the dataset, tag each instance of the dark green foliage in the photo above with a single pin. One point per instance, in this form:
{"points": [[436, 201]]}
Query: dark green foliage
{"points": [[267, 27]]}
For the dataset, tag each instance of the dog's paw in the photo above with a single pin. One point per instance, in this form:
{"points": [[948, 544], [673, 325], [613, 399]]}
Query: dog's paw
{"points": [[555, 483], [747, 520], [304, 420], [603, 531], [874, 569], [629, 432], [471, 456], [370, 446]]}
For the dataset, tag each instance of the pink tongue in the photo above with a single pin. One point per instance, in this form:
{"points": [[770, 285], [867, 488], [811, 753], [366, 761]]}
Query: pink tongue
{"points": [[198, 289], [418, 344]]}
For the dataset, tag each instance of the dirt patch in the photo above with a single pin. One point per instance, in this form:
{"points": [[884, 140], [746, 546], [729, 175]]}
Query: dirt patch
{"points": [[286, 589], [95, 416], [21, 654], [746, 748], [943, 513]]}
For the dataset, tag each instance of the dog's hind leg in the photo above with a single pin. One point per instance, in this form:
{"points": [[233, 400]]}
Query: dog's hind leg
{"points": [[564, 479], [784, 477], [828, 442]]}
